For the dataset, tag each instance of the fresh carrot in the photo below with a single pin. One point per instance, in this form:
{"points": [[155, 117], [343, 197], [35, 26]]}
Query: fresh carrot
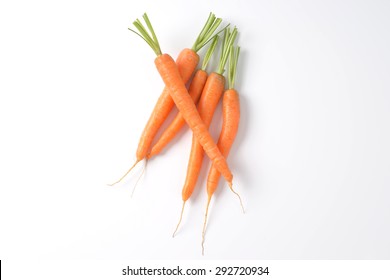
{"points": [[186, 63], [169, 73], [195, 92], [209, 100], [231, 118]]}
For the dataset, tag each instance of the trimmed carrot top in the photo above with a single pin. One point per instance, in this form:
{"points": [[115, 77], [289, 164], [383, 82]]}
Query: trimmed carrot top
{"points": [[149, 36], [228, 40], [207, 32], [144, 34], [233, 60], [209, 52]]}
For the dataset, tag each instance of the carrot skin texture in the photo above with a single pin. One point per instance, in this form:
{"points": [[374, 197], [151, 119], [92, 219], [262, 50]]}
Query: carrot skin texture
{"points": [[171, 77], [173, 129], [186, 64], [231, 119], [209, 100]]}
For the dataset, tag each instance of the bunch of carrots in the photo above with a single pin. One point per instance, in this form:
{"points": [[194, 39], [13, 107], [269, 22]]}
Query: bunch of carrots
{"points": [[196, 105]]}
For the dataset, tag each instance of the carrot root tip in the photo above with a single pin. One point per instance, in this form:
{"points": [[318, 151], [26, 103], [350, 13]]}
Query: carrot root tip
{"points": [[239, 197], [205, 223], [128, 171], [181, 216], [142, 173]]}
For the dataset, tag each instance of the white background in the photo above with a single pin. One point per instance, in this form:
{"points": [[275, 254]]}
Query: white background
{"points": [[311, 159], [277, 269]]}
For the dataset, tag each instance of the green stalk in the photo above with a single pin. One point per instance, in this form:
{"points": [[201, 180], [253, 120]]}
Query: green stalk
{"points": [[217, 34], [147, 21], [207, 32], [150, 39], [207, 25], [233, 61], [227, 43], [209, 52]]}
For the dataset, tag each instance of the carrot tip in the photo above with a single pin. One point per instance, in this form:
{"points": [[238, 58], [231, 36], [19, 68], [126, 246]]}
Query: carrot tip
{"points": [[205, 223], [181, 216], [128, 171], [136, 183], [239, 197]]}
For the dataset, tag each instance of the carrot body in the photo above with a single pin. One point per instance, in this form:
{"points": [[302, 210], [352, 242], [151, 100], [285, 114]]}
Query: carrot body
{"points": [[231, 119], [209, 100], [194, 91], [186, 64], [169, 73]]}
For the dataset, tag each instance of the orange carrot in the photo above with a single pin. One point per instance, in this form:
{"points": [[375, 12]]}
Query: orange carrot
{"points": [[231, 118], [209, 100], [195, 91], [186, 63]]}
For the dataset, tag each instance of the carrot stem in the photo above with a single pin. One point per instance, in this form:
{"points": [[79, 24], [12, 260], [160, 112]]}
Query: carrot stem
{"points": [[216, 34], [233, 60], [227, 43], [209, 53], [207, 25], [207, 32], [151, 40], [147, 21]]}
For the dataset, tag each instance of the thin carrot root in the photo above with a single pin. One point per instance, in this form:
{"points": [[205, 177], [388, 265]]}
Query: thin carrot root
{"points": [[181, 216], [142, 173], [239, 197], [205, 223], [128, 171]]}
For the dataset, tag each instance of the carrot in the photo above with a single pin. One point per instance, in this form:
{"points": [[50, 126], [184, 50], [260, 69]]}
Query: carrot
{"points": [[195, 92], [231, 118], [209, 100], [169, 73], [186, 63]]}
